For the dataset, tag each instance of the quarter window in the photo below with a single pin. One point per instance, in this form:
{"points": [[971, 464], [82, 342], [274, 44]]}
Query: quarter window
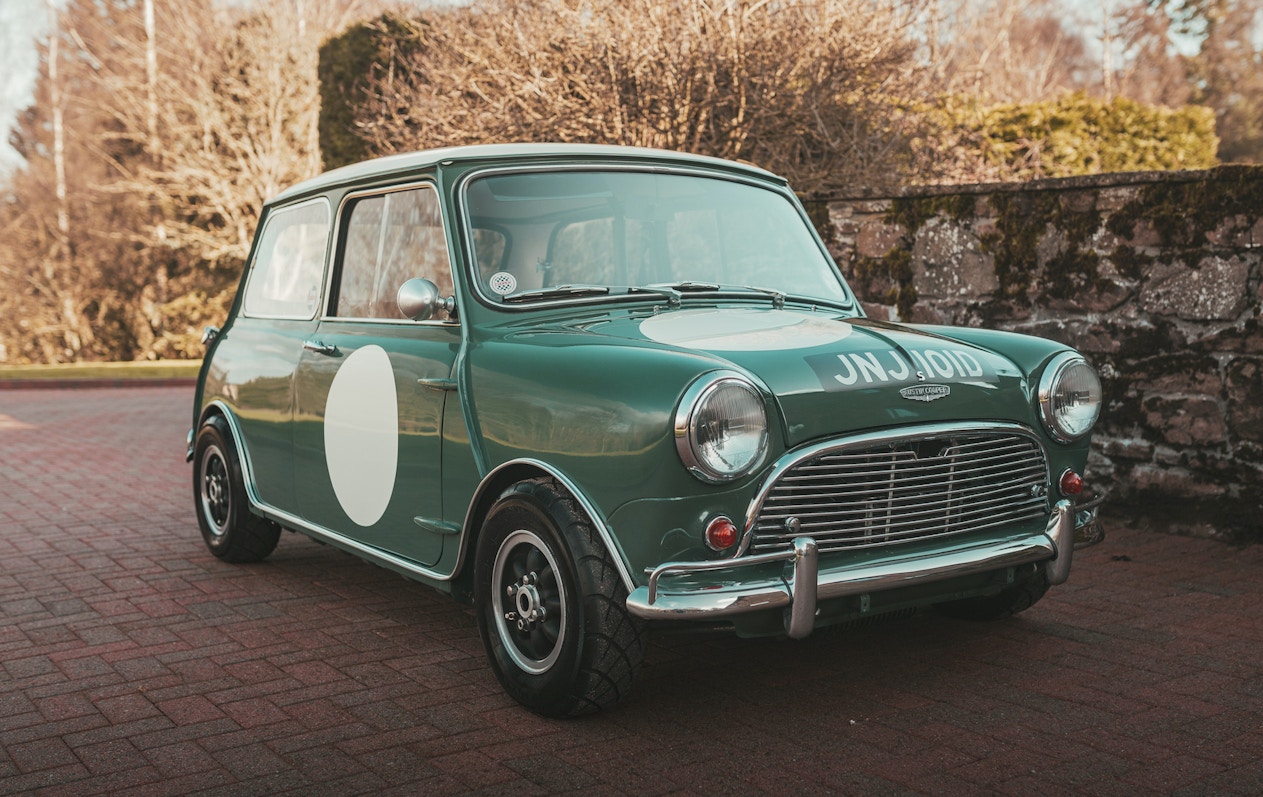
{"points": [[289, 264], [390, 239]]}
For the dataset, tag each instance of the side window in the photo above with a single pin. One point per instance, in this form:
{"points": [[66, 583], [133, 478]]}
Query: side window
{"points": [[388, 240], [289, 264]]}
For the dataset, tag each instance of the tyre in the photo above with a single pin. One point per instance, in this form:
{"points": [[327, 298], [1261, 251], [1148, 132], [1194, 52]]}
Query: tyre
{"points": [[231, 531], [552, 609], [1022, 595]]}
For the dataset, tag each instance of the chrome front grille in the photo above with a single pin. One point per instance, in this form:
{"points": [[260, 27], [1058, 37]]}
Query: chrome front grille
{"points": [[851, 496]]}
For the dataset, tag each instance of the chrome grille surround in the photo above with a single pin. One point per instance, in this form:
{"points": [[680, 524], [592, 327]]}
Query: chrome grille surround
{"points": [[885, 488]]}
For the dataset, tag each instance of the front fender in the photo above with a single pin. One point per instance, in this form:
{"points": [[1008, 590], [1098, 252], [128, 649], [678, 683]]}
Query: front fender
{"points": [[512, 472]]}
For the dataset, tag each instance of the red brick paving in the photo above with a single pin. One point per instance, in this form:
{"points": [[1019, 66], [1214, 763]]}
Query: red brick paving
{"points": [[133, 662]]}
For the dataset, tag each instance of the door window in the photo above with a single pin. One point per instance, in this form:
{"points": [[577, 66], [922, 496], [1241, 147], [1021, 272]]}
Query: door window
{"points": [[289, 263], [388, 240]]}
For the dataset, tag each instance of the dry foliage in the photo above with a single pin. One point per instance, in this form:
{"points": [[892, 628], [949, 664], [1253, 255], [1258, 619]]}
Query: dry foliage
{"points": [[237, 116], [166, 170], [1007, 50], [804, 88], [175, 133]]}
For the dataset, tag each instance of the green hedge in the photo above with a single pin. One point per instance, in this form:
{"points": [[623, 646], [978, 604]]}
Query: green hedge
{"points": [[347, 62], [1077, 134]]}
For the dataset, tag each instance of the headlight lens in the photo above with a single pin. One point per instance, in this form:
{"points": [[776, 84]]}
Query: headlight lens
{"points": [[721, 428], [1069, 397]]}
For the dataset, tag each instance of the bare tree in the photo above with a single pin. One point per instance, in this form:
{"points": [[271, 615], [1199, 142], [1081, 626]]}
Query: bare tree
{"points": [[1227, 71], [810, 88], [1010, 50], [176, 121], [49, 226], [1149, 69]]}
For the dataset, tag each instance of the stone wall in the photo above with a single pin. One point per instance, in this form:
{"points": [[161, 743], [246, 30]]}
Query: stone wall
{"points": [[1155, 277]]}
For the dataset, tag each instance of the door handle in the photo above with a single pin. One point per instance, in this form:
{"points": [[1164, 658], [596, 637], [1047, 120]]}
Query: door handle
{"points": [[438, 384], [320, 348]]}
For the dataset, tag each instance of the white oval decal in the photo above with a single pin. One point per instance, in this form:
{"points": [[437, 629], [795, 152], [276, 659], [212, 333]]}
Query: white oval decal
{"points": [[362, 434], [743, 330]]}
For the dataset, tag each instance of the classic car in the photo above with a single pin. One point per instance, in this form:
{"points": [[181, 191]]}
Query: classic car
{"points": [[596, 389]]}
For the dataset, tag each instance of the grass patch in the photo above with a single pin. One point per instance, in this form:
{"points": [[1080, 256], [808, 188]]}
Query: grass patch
{"points": [[161, 369]]}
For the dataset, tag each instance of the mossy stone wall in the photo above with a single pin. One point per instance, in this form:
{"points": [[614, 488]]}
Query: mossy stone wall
{"points": [[1155, 277]]}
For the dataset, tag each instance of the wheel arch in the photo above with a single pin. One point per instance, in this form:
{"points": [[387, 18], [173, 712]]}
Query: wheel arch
{"points": [[217, 409], [489, 490]]}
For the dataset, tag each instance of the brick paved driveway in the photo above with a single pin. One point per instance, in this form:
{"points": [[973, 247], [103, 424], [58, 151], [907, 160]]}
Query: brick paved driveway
{"points": [[133, 662]]}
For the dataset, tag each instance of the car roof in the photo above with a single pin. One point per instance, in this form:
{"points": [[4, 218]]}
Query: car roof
{"points": [[404, 163]]}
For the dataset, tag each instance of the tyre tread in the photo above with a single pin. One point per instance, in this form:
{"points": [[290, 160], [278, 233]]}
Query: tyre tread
{"points": [[252, 538], [613, 647]]}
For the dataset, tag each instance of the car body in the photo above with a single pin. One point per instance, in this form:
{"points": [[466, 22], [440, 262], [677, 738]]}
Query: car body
{"points": [[595, 388]]}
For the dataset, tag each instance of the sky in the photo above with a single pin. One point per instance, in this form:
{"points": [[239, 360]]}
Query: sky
{"points": [[21, 23]]}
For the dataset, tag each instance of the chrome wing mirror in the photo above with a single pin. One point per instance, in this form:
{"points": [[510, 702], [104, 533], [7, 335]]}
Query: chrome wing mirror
{"points": [[420, 300]]}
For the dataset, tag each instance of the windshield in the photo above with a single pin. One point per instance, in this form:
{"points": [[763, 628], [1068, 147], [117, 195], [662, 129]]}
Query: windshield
{"points": [[578, 234]]}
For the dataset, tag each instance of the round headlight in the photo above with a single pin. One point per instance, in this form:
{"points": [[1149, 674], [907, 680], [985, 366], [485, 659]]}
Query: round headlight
{"points": [[721, 428], [1069, 397]]}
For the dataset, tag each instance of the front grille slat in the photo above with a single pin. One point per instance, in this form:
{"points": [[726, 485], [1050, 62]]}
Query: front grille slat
{"points": [[899, 517], [832, 471], [910, 483], [827, 546], [821, 521], [914, 489], [784, 505]]}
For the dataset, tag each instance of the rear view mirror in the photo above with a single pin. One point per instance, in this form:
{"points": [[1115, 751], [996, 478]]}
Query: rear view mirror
{"points": [[420, 300]]}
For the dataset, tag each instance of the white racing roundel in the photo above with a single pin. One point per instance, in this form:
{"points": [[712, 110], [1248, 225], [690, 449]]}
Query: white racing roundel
{"points": [[743, 330], [362, 434]]}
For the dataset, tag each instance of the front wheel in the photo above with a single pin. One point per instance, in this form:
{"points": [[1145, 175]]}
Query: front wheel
{"points": [[552, 609], [231, 531]]}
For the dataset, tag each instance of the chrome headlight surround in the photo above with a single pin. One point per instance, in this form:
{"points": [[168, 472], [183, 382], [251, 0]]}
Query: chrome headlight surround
{"points": [[1069, 397], [721, 427]]}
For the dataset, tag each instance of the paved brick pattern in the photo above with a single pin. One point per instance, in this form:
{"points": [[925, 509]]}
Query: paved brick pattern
{"points": [[133, 662]]}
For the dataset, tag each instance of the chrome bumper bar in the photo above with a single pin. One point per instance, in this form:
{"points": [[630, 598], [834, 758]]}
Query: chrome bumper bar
{"points": [[802, 584]]}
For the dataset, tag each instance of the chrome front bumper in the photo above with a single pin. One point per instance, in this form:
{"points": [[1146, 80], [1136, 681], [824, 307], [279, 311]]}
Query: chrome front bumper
{"points": [[802, 584]]}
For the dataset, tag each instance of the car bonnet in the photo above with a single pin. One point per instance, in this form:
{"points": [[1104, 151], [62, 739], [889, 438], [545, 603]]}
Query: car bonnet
{"points": [[832, 375]]}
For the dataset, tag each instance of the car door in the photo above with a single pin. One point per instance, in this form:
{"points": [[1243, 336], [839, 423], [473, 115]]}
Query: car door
{"points": [[371, 384], [258, 354]]}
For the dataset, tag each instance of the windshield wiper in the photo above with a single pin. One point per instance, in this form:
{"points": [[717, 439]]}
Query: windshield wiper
{"points": [[556, 291], [687, 285], [670, 291], [693, 286]]}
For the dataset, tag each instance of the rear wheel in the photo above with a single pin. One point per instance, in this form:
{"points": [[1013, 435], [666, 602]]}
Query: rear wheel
{"points": [[231, 531], [1025, 592], [552, 609]]}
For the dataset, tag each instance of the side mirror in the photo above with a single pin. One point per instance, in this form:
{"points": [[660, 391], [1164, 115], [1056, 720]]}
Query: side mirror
{"points": [[420, 300]]}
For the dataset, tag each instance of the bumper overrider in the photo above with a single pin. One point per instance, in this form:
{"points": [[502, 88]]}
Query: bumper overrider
{"points": [[802, 583]]}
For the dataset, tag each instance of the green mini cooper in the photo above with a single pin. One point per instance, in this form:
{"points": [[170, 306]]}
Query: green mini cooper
{"points": [[591, 389]]}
